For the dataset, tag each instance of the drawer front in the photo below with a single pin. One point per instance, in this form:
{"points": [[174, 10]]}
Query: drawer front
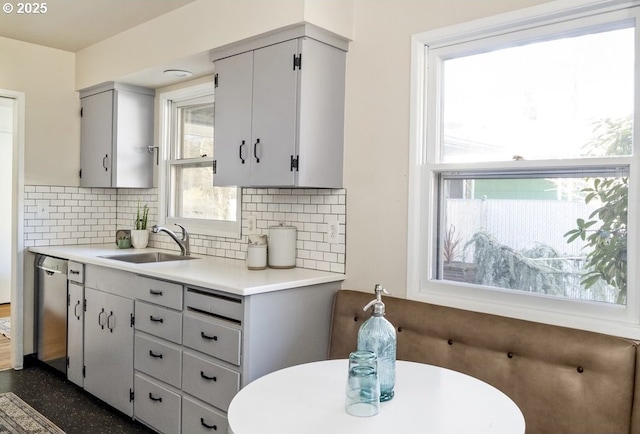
{"points": [[212, 338], [157, 406], [109, 280], [214, 303], [159, 321], [212, 383], [158, 359], [167, 294], [75, 272], [201, 419]]}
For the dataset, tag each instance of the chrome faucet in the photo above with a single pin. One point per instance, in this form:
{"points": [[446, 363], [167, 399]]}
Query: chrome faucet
{"points": [[183, 242]]}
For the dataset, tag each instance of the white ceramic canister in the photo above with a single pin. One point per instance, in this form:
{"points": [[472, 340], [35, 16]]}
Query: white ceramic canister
{"points": [[282, 246], [257, 256]]}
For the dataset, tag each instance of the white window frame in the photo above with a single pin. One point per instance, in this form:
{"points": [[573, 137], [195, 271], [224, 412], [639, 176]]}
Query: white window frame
{"points": [[227, 229], [423, 171]]}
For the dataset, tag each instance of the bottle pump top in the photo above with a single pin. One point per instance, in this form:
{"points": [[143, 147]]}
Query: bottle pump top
{"points": [[378, 305]]}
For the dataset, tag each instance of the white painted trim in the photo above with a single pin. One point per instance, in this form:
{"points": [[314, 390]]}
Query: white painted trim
{"points": [[221, 229], [521, 19], [17, 228], [615, 320]]}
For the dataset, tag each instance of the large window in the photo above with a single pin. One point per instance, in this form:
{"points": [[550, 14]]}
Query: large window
{"points": [[523, 159], [189, 196]]}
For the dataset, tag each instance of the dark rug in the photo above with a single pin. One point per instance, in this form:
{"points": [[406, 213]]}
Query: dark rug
{"points": [[17, 417]]}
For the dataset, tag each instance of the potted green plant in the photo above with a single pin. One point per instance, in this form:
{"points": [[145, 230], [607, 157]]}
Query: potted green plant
{"points": [[140, 233]]}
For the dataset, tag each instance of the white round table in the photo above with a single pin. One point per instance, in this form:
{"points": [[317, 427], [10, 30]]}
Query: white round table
{"points": [[310, 398]]}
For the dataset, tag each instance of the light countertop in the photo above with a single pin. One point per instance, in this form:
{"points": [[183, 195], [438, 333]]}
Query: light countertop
{"points": [[228, 275]]}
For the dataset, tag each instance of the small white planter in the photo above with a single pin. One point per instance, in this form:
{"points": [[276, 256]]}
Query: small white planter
{"points": [[139, 238]]}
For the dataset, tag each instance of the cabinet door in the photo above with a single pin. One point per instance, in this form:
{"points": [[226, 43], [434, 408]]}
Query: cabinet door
{"points": [[96, 137], [133, 166], [232, 133], [75, 334], [274, 116], [109, 348]]}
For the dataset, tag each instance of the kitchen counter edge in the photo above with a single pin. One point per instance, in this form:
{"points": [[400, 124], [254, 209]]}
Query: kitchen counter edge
{"points": [[223, 274]]}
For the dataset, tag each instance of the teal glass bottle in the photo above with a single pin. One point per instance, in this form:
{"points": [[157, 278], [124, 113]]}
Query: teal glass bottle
{"points": [[378, 335]]}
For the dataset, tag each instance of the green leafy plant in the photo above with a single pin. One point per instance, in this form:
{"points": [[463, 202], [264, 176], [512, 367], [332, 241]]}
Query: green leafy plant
{"points": [[605, 234], [141, 217], [605, 230]]}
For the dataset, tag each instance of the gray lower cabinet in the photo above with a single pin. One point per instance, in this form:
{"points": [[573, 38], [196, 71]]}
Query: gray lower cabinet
{"points": [[75, 323], [108, 348], [226, 342], [158, 354], [174, 356]]}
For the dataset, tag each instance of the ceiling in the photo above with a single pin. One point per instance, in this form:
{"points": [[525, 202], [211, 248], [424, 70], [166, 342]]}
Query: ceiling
{"points": [[72, 25]]}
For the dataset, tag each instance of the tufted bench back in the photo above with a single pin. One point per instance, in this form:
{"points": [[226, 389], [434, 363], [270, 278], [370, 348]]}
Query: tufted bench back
{"points": [[564, 380]]}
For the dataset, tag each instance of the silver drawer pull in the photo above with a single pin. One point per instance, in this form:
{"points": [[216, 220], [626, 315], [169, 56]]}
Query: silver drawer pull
{"points": [[152, 354], [153, 319], [211, 338], [202, 374]]}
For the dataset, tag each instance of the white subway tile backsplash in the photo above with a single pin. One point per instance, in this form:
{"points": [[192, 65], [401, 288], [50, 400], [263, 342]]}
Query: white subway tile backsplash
{"points": [[92, 215]]}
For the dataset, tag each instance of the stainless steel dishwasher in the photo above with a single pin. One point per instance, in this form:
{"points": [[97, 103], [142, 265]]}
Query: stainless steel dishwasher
{"points": [[51, 311]]}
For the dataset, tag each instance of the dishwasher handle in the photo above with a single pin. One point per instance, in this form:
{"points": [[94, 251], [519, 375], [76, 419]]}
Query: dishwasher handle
{"points": [[51, 265], [49, 271]]}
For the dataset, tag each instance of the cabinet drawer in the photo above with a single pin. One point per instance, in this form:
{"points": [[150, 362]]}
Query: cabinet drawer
{"points": [[75, 272], [157, 406], [159, 321], [201, 419], [158, 359], [214, 303], [167, 294], [115, 282], [212, 338], [209, 381]]}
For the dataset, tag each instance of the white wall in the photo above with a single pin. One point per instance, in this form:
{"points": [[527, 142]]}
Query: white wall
{"points": [[52, 136], [377, 129]]}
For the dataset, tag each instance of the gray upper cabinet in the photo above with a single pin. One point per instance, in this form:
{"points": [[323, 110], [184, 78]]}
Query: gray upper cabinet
{"points": [[279, 113], [116, 136]]}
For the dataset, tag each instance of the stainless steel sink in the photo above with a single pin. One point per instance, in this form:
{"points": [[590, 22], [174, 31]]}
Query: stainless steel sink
{"points": [[147, 257]]}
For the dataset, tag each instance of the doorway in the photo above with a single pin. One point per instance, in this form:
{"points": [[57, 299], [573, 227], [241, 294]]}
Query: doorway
{"points": [[12, 109], [6, 169]]}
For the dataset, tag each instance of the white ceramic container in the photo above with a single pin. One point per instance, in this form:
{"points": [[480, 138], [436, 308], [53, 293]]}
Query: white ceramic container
{"points": [[282, 246]]}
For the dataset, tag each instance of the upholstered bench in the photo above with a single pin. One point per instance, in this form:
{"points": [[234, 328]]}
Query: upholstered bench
{"points": [[564, 380]]}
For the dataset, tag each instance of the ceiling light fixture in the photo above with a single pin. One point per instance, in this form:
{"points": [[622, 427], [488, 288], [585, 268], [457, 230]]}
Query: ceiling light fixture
{"points": [[178, 73]]}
